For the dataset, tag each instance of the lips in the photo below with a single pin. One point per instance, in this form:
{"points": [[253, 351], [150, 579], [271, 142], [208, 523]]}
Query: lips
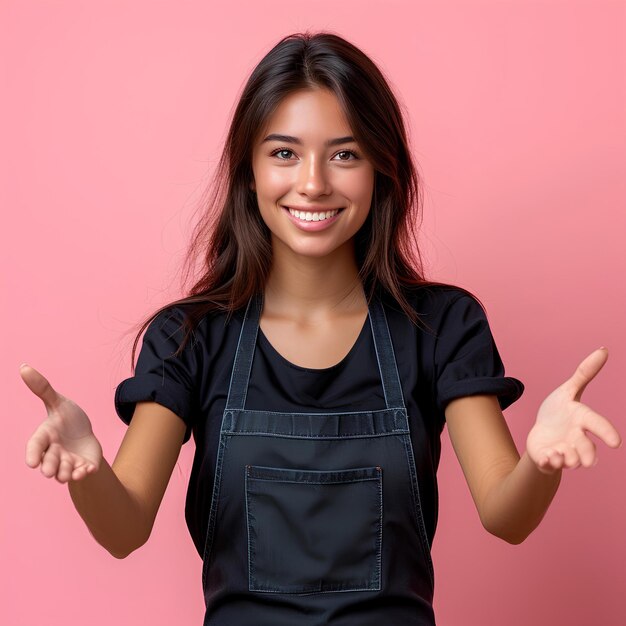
{"points": [[312, 225], [312, 215], [313, 209]]}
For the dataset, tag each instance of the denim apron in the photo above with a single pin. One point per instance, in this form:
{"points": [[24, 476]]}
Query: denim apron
{"points": [[315, 517]]}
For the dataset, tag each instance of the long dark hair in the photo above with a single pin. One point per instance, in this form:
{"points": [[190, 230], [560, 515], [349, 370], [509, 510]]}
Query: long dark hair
{"points": [[232, 243]]}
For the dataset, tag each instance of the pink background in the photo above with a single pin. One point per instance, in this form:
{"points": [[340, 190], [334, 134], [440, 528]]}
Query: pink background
{"points": [[114, 114]]}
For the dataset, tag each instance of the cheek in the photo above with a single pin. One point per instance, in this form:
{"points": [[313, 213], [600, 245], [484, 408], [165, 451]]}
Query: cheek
{"points": [[273, 181], [359, 184]]}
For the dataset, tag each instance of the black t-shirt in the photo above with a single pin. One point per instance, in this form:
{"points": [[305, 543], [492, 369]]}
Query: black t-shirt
{"points": [[456, 357]]}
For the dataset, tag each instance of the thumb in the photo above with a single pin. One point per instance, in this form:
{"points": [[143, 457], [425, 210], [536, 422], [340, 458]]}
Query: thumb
{"points": [[586, 371], [39, 385]]}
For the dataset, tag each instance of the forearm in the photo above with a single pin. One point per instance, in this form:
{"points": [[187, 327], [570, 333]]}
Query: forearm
{"points": [[516, 504], [112, 514]]}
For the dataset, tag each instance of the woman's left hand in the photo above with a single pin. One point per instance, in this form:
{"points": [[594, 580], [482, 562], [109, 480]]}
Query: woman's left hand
{"points": [[559, 437]]}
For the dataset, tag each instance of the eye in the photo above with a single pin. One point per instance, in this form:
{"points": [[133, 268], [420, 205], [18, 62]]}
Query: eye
{"points": [[354, 154], [290, 152], [279, 150]]}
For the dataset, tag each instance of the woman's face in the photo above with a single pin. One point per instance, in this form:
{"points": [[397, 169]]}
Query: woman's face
{"points": [[305, 160]]}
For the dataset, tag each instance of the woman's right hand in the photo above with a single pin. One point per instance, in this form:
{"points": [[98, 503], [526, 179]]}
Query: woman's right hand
{"points": [[64, 443]]}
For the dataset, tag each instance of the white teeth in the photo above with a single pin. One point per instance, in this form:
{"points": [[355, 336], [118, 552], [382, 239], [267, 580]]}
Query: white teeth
{"points": [[308, 216]]}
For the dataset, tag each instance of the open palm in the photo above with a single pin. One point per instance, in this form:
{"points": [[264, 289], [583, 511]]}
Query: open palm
{"points": [[64, 443], [560, 436]]}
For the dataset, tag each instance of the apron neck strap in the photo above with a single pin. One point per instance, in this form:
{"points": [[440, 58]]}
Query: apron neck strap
{"points": [[244, 355]]}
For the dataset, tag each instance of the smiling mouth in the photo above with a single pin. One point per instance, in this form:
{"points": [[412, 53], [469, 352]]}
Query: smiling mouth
{"points": [[313, 216]]}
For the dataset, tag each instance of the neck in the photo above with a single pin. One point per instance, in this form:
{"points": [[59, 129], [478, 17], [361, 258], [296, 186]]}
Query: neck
{"points": [[313, 288]]}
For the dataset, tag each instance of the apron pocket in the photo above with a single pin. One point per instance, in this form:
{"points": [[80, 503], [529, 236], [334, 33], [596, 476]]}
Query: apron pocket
{"points": [[314, 531]]}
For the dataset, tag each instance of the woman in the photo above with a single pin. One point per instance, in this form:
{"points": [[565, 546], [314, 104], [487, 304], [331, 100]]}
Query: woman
{"points": [[316, 367]]}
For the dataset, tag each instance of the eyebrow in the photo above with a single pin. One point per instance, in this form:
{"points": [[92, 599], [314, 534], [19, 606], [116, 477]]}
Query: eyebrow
{"points": [[290, 139]]}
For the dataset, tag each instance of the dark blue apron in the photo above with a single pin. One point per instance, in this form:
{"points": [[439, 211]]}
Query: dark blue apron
{"points": [[315, 517]]}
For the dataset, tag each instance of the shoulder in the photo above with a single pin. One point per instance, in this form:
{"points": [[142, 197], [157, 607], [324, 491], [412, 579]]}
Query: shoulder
{"points": [[183, 316], [197, 327], [434, 301], [179, 328]]}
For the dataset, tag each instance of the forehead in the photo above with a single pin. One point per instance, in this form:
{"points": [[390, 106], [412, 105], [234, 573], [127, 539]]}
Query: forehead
{"points": [[310, 113]]}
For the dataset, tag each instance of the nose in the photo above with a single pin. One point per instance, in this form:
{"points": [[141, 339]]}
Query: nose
{"points": [[313, 178]]}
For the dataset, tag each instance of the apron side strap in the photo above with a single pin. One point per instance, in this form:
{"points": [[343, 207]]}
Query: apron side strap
{"points": [[244, 354], [385, 355]]}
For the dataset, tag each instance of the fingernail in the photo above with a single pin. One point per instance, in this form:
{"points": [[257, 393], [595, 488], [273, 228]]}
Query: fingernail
{"points": [[22, 365], [595, 461]]}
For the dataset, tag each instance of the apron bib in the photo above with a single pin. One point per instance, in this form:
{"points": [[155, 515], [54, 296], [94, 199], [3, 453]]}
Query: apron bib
{"points": [[315, 518]]}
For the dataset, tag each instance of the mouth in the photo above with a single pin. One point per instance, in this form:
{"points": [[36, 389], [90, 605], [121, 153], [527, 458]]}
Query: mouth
{"points": [[311, 215], [313, 221]]}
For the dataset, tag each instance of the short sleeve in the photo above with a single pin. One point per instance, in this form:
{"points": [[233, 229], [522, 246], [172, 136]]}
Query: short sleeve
{"points": [[467, 360], [160, 376]]}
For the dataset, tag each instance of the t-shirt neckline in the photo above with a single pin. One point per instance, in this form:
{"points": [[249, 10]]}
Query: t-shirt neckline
{"points": [[316, 370]]}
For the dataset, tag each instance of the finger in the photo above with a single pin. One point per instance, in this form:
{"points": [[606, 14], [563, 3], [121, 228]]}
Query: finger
{"points": [[81, 471], [91, 468], [66, 467], [586, 450], [600, 427], [39, 385], [571, 460], [544, 466], [50, 461], [36, 446], [556, 459], [586, 371], [549, 457]]}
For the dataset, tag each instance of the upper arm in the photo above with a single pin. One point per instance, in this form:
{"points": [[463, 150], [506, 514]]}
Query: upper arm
{"points": [[147, 455], [482, 443]]}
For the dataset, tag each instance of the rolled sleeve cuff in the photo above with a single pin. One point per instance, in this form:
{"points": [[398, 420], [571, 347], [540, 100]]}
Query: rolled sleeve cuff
{"points": [[507, 388], [151, 387]]}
